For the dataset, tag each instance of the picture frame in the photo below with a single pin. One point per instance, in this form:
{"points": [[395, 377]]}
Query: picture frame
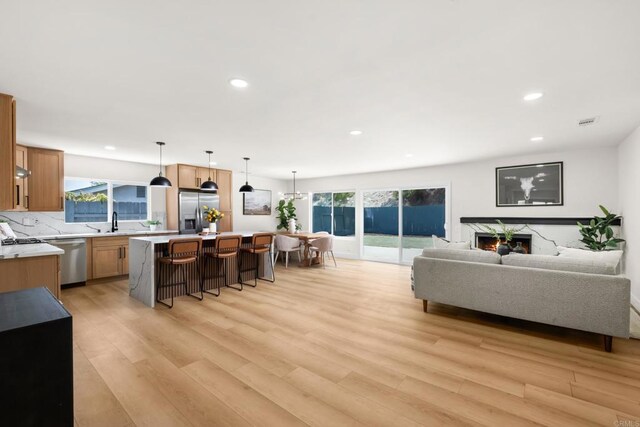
{"points": [[539, 184], [258, 202]]}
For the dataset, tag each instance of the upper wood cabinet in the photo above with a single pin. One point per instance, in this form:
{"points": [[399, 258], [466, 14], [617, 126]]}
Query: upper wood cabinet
{"points": [[225, 189], [204, 175], [187, 177], [7, 152], [46, 183]]}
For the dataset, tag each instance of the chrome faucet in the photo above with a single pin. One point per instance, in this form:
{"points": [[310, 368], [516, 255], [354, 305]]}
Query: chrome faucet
{"points": [[114, 221]]}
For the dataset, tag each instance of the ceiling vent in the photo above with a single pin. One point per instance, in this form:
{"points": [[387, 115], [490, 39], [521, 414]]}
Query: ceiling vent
{"points": [[588, 121]]}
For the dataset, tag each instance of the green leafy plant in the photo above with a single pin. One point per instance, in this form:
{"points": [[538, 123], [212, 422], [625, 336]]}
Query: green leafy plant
{"points": [[507, 232], [598, 234], [286, 211], [86, 197], [153, 222]]}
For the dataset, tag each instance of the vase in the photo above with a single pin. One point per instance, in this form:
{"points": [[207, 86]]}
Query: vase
{"points": [[213, 227], [292, 226], [152, 227], [503, 249], [519, 249]]}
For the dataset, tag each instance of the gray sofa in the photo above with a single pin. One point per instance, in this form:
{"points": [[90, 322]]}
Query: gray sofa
{"points": [[572, 293]]}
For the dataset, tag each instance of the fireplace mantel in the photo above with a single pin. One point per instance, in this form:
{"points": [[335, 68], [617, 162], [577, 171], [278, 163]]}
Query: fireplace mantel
{"points": [[528, 220]]}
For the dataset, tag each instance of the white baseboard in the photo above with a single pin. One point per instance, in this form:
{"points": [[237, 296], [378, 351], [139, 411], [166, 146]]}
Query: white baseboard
{"points": [[346, 255], [635, 302]]}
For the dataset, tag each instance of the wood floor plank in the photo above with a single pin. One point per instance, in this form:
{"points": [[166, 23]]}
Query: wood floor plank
{"points": [[311, 410], [193, 401], [143, 402], [94, 403], [364, 410], [249, 403]]}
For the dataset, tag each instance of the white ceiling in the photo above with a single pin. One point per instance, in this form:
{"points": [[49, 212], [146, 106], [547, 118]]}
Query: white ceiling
{"points": [[442, 80]]}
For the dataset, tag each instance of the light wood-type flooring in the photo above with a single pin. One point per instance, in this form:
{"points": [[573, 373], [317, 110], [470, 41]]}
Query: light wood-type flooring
{"points": [[329, 347]]}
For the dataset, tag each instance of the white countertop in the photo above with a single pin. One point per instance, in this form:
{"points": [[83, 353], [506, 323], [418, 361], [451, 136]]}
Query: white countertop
{"points": [[109, 234], [28, 251], [165, 239]]}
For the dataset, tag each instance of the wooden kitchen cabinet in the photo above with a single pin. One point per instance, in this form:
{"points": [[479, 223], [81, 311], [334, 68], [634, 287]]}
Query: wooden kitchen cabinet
{"points": [[30, 272], [21, 195], [7, 151], [109, 257], [187, 177], [226, 223], [46, 183], [203, 175], [225, 190]]}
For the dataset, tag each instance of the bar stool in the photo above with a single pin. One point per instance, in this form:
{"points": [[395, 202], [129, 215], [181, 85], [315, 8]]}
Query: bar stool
{"points": [[261, 243], [225, 247], [181, 253]]}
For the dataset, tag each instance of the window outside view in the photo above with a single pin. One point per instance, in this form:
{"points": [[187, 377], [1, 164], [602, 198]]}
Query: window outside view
{"points": [[88, 201]]}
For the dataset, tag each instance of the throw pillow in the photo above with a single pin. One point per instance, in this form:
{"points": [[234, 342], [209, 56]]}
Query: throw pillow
{"points": [[440, 243], [607, 257]]}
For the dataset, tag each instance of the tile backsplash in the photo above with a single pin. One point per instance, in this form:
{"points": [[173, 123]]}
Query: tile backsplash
{"points": [[35, 224]]}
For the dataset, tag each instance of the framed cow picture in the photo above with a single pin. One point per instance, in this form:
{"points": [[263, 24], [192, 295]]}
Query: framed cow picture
{"points": [[530, 185]]}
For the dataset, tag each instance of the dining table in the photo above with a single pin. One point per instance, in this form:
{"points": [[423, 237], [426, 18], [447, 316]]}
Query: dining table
{"points": [[306, 238]]}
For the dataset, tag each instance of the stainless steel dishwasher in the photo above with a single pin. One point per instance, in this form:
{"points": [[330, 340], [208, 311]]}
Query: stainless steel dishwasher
{"points": [[73, 264]]}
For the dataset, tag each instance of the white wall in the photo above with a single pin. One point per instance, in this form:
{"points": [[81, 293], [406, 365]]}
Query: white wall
{"points": [[629, 186], [243, 222], [589, 180]]}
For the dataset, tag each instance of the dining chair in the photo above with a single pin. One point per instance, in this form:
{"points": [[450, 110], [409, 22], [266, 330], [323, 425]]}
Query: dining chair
{"points": [[287, 244], [323, 246]]}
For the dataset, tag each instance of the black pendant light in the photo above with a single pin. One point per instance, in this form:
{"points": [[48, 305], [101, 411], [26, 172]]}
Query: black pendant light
{"points": [[160, 181], [209, 185], [246, 188]]}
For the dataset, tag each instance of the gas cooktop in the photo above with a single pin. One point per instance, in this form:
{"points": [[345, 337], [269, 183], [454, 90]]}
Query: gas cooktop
{"points": [[25, 241]]}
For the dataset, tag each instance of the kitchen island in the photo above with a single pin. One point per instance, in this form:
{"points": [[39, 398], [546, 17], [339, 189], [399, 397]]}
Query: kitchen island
{"points": [[143, 259], [30, 266]]}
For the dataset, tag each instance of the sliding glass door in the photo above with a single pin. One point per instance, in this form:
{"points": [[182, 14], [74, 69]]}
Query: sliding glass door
{"points": [[381, 239], [423, 215], [398, 224]]}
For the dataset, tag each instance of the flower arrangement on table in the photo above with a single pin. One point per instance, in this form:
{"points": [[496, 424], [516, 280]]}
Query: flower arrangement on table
{"points": [[212, 215]]}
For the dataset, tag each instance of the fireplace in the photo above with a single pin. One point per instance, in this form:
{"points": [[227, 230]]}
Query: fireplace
{"points": [[487, 242]]}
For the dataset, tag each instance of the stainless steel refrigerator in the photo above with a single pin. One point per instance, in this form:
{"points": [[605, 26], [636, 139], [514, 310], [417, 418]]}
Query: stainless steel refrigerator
{"points": [[191, 212]]}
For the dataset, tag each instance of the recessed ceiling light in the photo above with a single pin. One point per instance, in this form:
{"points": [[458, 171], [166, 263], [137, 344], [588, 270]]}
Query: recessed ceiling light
{"points": [[213, 163], [239, 83], [537, 138], [355, 132], [541, 180], [109, 147], [533, 96]]}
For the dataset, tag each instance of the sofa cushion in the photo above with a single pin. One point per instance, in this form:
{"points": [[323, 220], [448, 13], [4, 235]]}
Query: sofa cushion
{"points": [[550, 262], [485, 257], [606, 257], [440, 243]]}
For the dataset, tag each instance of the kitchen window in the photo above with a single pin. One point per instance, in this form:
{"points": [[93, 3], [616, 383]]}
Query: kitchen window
{"points": [[334, 213], [93, 200]]}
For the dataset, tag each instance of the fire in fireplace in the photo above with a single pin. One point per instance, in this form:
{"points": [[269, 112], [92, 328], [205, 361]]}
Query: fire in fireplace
{"points": [[487, 242]]}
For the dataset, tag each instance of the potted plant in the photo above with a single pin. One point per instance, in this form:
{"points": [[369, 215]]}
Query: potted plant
{"points": [[506, 233], [153, 224], [287, 216], [212, 216], [598, 234]]}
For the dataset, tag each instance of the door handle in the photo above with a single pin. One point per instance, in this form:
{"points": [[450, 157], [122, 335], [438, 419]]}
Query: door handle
{"points": [[124, 252], [17, 195], [61, 202], [26, 199], [120, 253]]}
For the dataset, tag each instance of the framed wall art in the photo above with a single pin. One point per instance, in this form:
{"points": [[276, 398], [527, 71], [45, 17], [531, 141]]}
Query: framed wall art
{"points": [[539, 184]]}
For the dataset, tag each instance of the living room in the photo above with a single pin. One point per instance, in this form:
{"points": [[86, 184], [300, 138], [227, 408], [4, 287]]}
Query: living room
{"points": [[271, 213]]}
